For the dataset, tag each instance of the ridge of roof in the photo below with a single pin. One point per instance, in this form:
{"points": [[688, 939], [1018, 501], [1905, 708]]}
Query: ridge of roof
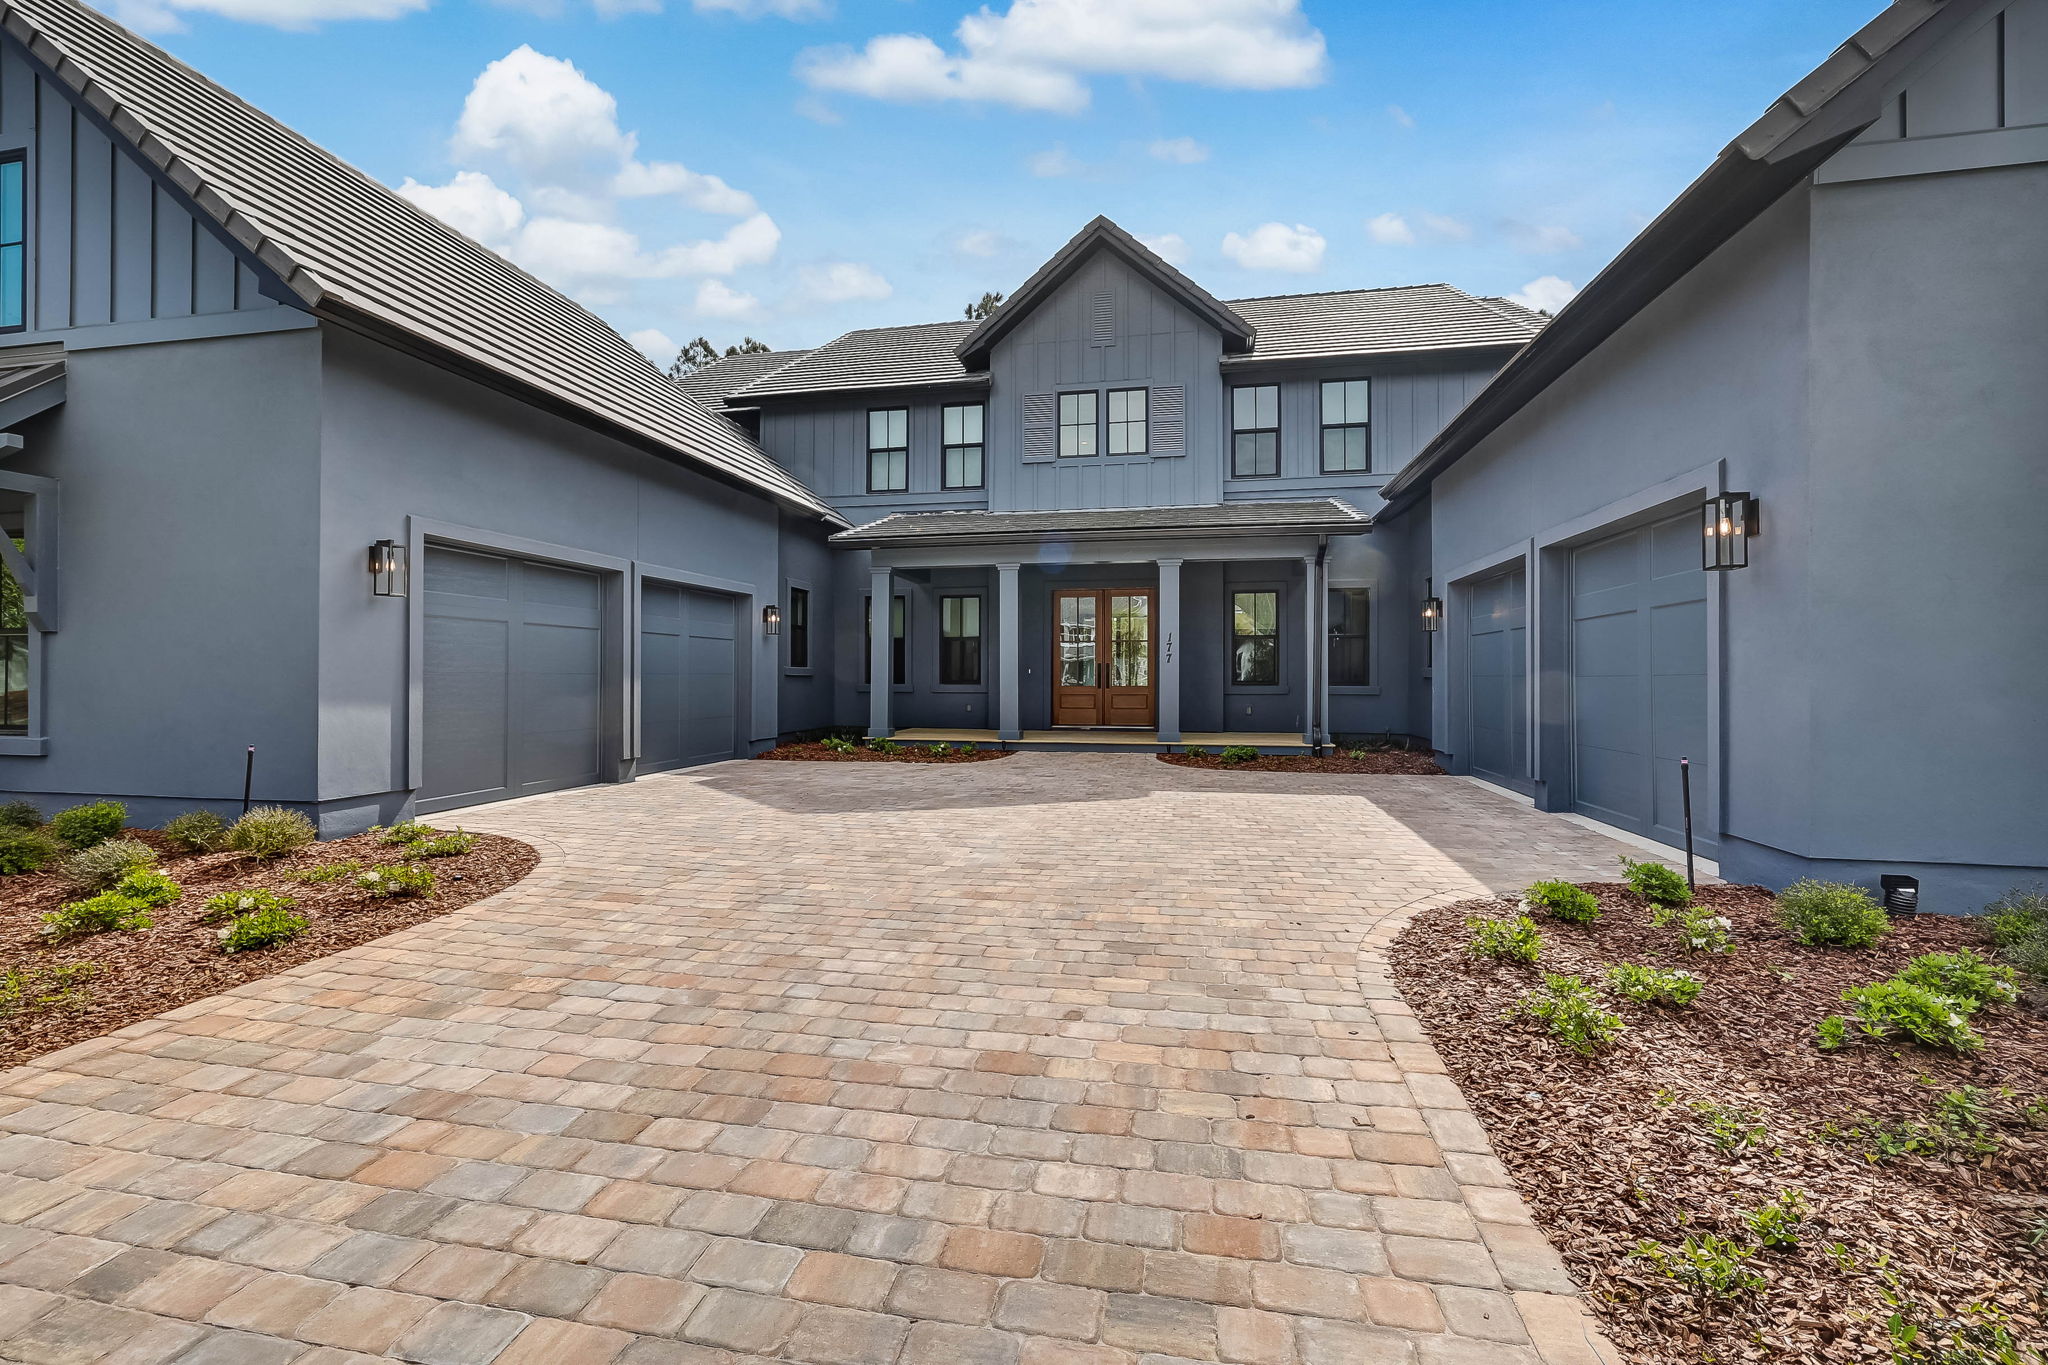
{"points": [[1361, 289]]}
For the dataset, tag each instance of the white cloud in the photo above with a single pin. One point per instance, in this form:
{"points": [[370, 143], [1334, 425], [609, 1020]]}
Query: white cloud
{"points": [[162, 16], [716, 298], [1446, 228], [1542, 240], [1170, 247], [844, 282], [655, 344], [472, 204], [1546, 293], [613, 9], [982, 242], [1052, 164], [1036, 54], [1182, 151], [1390, 229], [705, 193], [755, 9], [1401, 117], [1276, 246]]}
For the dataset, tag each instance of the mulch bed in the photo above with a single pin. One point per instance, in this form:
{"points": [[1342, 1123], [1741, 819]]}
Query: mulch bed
{"points": [[1614, 1149], [1373, 761], [813, 752], [146, 972]]}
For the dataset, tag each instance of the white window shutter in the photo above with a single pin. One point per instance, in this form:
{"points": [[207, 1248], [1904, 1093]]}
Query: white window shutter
{"points": [[1041, 426]]}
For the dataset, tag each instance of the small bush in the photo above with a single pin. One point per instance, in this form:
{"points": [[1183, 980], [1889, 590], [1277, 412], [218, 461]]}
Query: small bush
{"points": [[1655, 883], [1699, 931], [271, 832], [1731, 1128], [101, 867], [149, 888], [2018, 922], [20, 815], [1238, 753], [1705, 1264], [1889, 1008], [265, 928], [1776, 1224], [1195, 751], [1963, 976], [397, 880], [1505, 940], [442, 845], [107, 913], [1562, 900], [1653, 985], [25, 850], [1960, 1128], [1832, 914], [327, 872], [885, 746], [233, 904], [196, 831], [834, 744], [404, 832], [95, 822], [1572, 1012], [1831, 1034], [28, 990]]}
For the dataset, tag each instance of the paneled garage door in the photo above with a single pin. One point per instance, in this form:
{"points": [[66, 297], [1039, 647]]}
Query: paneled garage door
{"points": [[1639, 679], [1497, 659], [512, 678], [687, 700]]}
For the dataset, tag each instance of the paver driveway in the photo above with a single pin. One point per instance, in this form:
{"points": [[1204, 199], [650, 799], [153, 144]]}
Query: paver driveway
{"points": [[1057, 1060]]}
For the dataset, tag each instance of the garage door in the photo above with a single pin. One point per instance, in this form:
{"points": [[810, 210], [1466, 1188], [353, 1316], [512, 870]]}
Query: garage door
{"points": [[1498, 668], [686, 677], [1639, 679], [512, 678]]}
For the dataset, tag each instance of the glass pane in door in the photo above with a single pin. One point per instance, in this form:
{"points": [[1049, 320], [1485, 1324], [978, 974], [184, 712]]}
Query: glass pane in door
{"points": [[1130, 640], [1077, 642]]}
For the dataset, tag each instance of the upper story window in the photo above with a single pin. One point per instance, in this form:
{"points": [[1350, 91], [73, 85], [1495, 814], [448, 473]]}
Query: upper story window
{"points": [[13, 242], [1347, 426], [1255, 639], [1077, 424], [960, 454], [1255, 431], [1127, 421], [799, 627], [1350, 637], [888, 450]]}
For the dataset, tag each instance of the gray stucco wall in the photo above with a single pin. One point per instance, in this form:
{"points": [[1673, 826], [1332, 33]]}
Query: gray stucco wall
{"points": [[807, 694]]}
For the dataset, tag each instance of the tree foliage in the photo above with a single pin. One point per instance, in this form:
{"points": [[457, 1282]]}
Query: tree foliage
{"points": [[983, 306], [695, 355]]}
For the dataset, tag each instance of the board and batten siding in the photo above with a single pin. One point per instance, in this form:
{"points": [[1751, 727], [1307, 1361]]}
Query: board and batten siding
{"points": [[107, 243]]}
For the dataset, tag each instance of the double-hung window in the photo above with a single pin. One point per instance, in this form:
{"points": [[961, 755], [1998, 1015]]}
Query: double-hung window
{"points": [[1255, 639], [960, 640], [1255, 431], [799, 627], [888, 450], [1347, 426], [1077, 424], [1350, 637], [1127, 421], [960, 454], [13, 241], [899, 621]]}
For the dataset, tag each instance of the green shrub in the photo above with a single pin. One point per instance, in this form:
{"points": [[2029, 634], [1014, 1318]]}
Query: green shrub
{"points": [[327, 872], [95, 822], [1572, 1012], [196, 831], [1889, 1008], [1776, 1224], [1705, 1265], [1507, 940], [397, 880], [1731, 1128], [148, 887], [885, 746], [101, 867], [835, 744], [404, 832], [1963, 976], [2018, 922], [108, 912], [26, 850], [1562, 900], [1653, 985], [1831, 1034], [265, 928], [232, 904], [20, 815], [442, 845], [27, 990], [1238, 753], [1958, 1128], [271, 832], [1195, 751], [1655, 883], [1698, 930], [1832, 914]]}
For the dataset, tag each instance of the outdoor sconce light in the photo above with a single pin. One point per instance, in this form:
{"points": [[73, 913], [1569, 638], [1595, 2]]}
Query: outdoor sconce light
{"points": [[388, 565], [771, 620], [1901, 894], [1432, 613], [1730, 522]]}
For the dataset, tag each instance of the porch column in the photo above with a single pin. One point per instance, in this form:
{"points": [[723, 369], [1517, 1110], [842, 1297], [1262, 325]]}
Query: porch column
{"points": [[881, 595], [1309, 683], [1168, 627], [1009, 654]]}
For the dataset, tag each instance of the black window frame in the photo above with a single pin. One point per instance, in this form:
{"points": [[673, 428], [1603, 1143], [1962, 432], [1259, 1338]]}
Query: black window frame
{"points": [[1236, 431], [953, 649], [874, 450], [19, 157], [980, 448], [1279, 606], [1326, 426], [1110, 423], [799, 634], [1362, 634], [899, 640], [1093, 426]]}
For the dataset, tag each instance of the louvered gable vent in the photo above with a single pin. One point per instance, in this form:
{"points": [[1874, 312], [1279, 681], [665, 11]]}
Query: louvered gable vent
{"points": [[1102, 319]]}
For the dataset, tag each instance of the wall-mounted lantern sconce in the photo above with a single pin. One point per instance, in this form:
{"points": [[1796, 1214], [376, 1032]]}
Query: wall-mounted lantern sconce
{"points": [[388, 569], [1432, 613], [771, 620], [1730, 523]]}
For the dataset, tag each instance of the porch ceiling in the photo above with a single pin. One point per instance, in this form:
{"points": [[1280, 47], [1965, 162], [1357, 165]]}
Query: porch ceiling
{"points": [[1311, 516]]}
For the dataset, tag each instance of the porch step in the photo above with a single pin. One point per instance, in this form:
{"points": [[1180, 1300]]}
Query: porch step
{"points": [[1264, 741]]}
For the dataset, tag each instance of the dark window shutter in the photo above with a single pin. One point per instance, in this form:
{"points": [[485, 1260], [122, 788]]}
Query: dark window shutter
{"points": [[1169, 427], [1102, 320], [1041, 426]]}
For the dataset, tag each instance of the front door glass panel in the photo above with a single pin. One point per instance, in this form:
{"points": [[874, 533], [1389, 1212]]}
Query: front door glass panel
{"points": [[1077, 641], [1130, 640]]}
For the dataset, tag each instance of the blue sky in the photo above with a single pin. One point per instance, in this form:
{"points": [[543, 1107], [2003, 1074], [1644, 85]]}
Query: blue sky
{"points": [[793, 168]]}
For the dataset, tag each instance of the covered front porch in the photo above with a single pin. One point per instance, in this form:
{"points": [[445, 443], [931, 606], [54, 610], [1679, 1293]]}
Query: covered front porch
{"points": [[1277, 742]]}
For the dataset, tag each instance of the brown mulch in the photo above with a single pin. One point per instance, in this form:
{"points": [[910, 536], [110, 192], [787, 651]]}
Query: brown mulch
{"points": [[812, 752], [178, 960], [1372, 761], [1612, 1150]]}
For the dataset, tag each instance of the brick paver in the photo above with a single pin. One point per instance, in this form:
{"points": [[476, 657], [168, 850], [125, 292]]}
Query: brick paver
{"points": [[1062, 1060]]}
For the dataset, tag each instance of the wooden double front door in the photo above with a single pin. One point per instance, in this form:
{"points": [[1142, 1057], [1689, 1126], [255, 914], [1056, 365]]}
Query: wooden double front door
{"points": [[1103, 657]]}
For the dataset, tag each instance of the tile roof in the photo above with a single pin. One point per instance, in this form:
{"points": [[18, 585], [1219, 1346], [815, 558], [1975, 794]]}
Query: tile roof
{"points": [[873, 358], [351, 249], [1225, 518], [1415, 317], [712, 384]]}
